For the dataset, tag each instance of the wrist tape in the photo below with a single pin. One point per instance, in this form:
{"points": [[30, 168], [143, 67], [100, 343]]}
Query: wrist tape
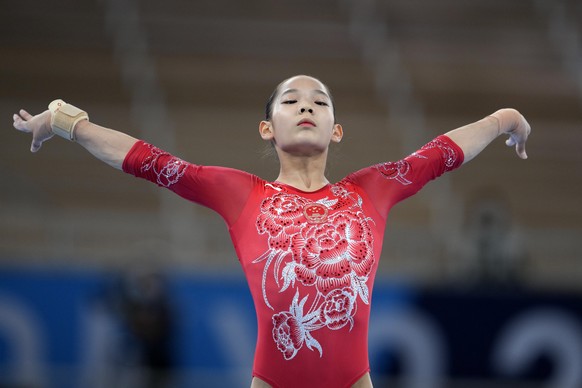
{"points": [[64, 118]]}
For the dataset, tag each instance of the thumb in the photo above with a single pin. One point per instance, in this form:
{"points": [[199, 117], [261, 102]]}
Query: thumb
{"points": [[519, 144], [20, 124]]}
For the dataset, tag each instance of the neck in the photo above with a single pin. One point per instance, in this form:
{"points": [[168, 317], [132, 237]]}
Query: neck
{"points": [[305, 173]]}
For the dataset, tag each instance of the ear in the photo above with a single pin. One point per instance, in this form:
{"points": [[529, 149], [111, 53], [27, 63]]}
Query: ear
{"points": [[266, 130], [337, 133]]}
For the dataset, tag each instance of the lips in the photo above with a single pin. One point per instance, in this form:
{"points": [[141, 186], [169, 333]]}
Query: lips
{"points": [[306, 123]]}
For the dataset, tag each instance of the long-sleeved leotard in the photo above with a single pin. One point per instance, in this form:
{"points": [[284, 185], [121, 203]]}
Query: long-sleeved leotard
{"points": [[309, 257]]}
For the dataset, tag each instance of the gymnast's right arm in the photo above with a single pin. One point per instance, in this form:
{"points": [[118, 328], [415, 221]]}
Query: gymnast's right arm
{"points": [[106, 144]]}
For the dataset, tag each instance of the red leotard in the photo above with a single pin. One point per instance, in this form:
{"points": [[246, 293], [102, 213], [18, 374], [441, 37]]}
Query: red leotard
{"points": [[309, 257]]}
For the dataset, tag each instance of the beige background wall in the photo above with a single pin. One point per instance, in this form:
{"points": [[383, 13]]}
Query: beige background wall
{"points": [[193, 77]]}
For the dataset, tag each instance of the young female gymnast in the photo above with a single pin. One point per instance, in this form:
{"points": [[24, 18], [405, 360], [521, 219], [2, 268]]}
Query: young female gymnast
{"points": [[309, 248]]}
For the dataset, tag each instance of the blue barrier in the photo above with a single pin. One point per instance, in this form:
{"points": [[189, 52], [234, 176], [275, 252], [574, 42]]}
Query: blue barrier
{"points": [[65, 329]]}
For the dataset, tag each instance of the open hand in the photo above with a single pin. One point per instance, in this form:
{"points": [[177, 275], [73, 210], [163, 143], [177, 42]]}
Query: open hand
{"points": [[39, 126]]}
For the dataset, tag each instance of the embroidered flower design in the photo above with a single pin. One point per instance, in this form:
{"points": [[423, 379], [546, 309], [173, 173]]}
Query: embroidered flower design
{"points": [[280, 218], [400, 169], [395, 170], [169, 173], [338, 308], [340, 191], [291, 329], [288, 334], [332, 253], [448, 153]]}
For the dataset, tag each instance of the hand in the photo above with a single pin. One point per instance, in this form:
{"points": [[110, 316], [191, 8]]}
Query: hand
{"points": [[39, 126], [518, 135]]}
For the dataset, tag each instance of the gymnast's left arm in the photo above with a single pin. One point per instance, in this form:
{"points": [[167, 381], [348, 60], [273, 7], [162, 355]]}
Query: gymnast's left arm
{"points": [[473, 138]]}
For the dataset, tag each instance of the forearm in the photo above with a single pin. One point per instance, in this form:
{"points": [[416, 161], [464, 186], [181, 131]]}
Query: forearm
{"points": [[72, 123], [473, 138], [105, 144]]}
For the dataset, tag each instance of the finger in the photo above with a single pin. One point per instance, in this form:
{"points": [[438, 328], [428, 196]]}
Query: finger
{"points": [[520, 149], [510, 142], [25, 115], [20, 124], [35, 146]]}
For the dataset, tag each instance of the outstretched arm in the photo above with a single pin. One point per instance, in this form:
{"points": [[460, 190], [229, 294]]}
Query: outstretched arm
{"points": [[106, 144], [473, 138]]}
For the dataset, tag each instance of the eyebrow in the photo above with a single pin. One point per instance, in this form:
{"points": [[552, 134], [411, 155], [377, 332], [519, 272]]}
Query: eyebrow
{"points": [[318, 91]]}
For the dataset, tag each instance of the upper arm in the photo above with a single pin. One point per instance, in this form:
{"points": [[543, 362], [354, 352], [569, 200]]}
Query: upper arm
{"points": [[224, 190], [390, 182]]}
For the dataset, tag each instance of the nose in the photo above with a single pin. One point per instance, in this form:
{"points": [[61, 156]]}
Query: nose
{"points": [[303, 110]]}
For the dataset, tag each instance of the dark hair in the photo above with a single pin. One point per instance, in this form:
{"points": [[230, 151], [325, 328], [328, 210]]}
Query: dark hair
{"points": [[269, 105]]}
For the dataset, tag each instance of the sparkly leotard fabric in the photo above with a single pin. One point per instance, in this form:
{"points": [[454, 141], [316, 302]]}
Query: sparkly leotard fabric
{"points": [[310, 258]]}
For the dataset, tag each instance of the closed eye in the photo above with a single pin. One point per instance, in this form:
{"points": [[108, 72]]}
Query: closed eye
{"points": [[322, 103], [289, 102]]}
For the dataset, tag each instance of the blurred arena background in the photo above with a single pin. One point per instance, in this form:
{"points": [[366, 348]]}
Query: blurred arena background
{"points": [[480, 283]]}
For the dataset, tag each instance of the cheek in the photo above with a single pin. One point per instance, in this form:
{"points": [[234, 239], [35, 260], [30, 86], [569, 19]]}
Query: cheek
{"points": [[279, 118], [283, 120]]}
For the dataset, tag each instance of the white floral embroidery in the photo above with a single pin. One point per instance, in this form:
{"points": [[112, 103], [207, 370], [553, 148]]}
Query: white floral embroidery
{"points": [[419, 156], [291, 329], [335, 257], [168, 174], [395, 170], [449, 154], [399, 170], [339, 308], [273, 187]]}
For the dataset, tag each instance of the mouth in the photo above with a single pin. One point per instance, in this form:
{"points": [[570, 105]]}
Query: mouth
{"points": [[306, 123]]}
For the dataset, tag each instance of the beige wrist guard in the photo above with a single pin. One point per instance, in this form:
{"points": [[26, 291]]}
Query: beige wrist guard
{"points": [[64, 118]]}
